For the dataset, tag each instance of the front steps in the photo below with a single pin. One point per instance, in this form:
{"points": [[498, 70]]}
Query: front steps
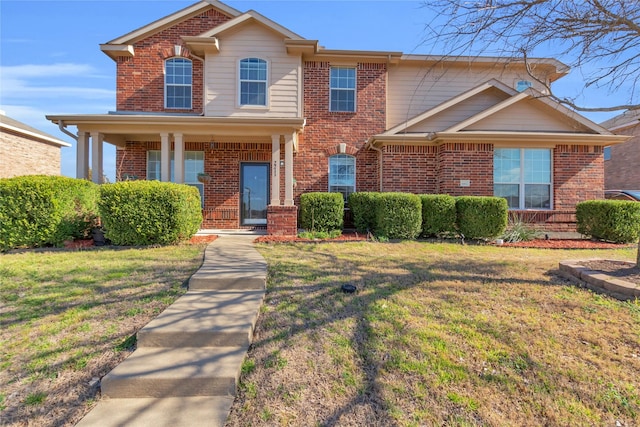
{"points": [[186, 367]]}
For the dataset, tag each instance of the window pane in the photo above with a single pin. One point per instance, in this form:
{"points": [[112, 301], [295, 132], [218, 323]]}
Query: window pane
{"points": [[537, 196], [253, 93], [537, 166], [178, 77], [253, 81], [511, 192], [506, 165], [342, 174], [342, 93]]}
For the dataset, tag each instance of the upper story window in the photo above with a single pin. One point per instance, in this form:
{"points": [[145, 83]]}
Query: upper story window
{"points": [[177, 82], [253, 82], [342, 175], [522, 85], [523, 177], [343, 89]]}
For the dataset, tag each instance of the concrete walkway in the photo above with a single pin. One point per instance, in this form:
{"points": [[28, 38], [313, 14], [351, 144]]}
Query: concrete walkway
{"points": [[185, 369]]}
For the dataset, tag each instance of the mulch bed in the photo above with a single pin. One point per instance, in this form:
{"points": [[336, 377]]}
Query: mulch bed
{"points": [[88, 243], [627, 271]]}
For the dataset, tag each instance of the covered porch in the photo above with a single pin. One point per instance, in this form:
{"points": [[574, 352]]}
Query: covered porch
{"points": [[226, 158]]}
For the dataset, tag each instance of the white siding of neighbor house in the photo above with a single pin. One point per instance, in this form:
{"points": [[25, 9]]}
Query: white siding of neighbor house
{"points": [[461, 111], [222, 74], [529, 115], [413, 88]]}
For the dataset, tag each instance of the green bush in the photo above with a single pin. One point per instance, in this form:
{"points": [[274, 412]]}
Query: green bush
{"points": [[41, 210], [482, 217], [321, 211], [149, 212], [438, 214], [363, 209], [398, 216], [612, 220]]}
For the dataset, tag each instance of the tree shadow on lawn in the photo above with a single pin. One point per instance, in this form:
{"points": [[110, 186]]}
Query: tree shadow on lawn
{"points": [[314, 310]]}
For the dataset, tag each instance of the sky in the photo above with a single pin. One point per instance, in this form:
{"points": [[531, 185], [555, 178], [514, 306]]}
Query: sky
{"points": [[51, 62]]}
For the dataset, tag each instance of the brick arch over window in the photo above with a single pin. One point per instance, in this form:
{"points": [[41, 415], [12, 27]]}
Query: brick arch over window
{"points": [[337, 149]]}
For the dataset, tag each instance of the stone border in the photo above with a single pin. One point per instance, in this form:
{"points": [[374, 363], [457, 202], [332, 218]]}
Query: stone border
{"points": [[599, 281]]}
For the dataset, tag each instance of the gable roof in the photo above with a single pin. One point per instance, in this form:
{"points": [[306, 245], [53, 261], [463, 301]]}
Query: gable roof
{"points": [[122, 46], [252, 15], [13, 125], [499, 121], [627, 119]]}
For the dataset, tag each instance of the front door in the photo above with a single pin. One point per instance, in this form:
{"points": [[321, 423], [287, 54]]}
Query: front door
{"points": [[254, 193]]}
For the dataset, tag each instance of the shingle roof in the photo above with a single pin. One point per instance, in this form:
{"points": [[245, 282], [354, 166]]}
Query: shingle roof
{"points": [[7, 122]]}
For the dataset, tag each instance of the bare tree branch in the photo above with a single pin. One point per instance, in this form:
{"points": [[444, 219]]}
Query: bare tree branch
{"points": [[599, 37]]}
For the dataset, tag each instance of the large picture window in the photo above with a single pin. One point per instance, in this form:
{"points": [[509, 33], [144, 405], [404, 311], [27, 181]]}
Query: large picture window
{"points": [[342, 174], [193, 165], [523, 177], [343, 89], [253, 81], [177, 81]]}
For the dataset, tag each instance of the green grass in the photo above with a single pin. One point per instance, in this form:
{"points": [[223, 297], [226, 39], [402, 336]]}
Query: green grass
{"points": [[438, 334], [69, 316]]}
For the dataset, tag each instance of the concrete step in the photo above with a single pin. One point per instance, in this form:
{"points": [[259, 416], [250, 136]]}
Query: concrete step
{"points": [[232, 265], [205, 319], [176, 372], [169, 412]]}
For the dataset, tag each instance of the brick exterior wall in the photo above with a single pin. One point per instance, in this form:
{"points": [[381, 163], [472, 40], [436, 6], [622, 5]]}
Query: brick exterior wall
{"points": [[140, 79], [282, 220], [578, 175], [24, 156], [622, 171], [465, 161]]}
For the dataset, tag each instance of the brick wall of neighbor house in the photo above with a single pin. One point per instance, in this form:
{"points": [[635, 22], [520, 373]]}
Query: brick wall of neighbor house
{"points": [[23, 156], [140, 79], [622, 171], [222, 161], [465, 161], [325, 130]]}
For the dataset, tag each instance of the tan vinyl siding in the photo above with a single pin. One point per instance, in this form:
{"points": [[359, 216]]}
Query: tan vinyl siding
{"points": [[222, 79], [461, 111], [414, 89], [525, 116]]}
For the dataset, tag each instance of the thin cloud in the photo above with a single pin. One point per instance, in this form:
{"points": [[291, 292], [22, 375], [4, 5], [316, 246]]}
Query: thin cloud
{"points": [[45, 70]]}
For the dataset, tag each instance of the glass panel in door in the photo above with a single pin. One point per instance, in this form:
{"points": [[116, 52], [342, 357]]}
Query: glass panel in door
{"points": [[254, 193]]}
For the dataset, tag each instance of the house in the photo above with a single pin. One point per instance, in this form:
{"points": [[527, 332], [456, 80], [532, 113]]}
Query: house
{"points": [[622, 162], [267, 115], [27, 151]]}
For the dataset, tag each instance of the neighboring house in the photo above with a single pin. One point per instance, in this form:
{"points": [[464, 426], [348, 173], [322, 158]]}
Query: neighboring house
{"points": [[622, 162], [258, 108], [27, 151]]}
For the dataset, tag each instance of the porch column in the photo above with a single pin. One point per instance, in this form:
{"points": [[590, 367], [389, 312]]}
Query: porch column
{"points": [[178, 162], [165, 157], [288, 170], [82, 156], [97, 172], [275, 170]]}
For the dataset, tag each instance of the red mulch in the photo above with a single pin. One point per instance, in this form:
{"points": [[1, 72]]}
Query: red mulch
{"points": [[203, 239], [86, 243]]}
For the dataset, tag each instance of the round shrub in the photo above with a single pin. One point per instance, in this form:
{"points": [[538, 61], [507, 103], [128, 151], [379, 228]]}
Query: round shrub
{"points": [[363, 209], [40, 210], [438, 214], [482, 217], [322, 212], [149, 212], [398, 216], [612, 220]]}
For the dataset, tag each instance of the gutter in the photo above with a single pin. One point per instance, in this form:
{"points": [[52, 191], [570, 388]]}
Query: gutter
{"points": [[64, 130]]}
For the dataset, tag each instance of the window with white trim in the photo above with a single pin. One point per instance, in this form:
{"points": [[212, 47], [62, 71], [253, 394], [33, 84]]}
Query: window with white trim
{"points": [[607, 153], [522, 85], [523, 177], [193, 165], [253, 81], [342, 175], [177, 83], [342, 95]]}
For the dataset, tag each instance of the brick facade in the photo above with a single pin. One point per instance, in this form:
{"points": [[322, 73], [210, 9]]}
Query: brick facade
{"points": [[140, 79], [622, 171], [26, 156]]}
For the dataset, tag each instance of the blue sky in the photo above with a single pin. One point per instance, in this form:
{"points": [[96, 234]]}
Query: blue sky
{"points": [[51, 63]]}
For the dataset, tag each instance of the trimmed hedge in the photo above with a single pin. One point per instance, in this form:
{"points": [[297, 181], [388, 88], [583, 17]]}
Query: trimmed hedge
{"points": [[363, 209], [149, 212], [41, 210], [438, 214], [398, 215], [481, 217], [321, 211], [613, 220]]}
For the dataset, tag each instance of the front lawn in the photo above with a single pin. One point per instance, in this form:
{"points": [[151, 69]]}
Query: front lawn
{"points": [[69, 317], [437, 334]]}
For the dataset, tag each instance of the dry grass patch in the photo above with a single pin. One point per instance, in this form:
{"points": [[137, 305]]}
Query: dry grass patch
{"points": [[437, 334], [67, 317]]}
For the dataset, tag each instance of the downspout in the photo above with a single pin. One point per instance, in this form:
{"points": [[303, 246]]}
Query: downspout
{"points": [[204, 76], [64, 130], [379, 150]]}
